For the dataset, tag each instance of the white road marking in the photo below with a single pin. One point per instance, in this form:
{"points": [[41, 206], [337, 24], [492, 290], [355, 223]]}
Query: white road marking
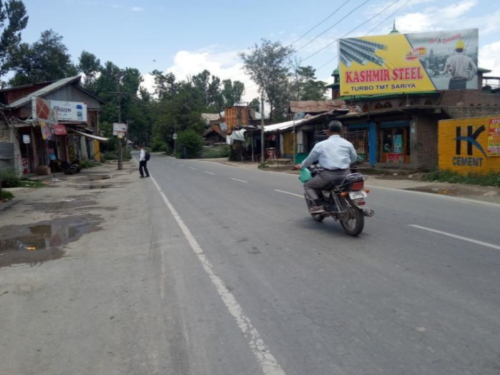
{"points": [[286, 192], [209, 172], [486, 244], [267, 361], [235, 179], [194, 169]]}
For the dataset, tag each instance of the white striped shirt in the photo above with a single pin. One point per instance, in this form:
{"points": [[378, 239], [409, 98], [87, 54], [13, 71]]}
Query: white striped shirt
{"points": [[461, 66]]}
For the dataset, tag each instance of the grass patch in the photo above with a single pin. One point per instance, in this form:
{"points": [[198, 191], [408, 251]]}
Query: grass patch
{"points": [[489, 179], [88, 164], [215, 152], [6, 195], [31, 183]]}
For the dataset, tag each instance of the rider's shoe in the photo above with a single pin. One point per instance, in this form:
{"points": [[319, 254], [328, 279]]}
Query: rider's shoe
{"points": [[316, 210]]}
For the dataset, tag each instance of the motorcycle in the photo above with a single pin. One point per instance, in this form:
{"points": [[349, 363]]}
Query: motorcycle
{"points": [[344, 201]]}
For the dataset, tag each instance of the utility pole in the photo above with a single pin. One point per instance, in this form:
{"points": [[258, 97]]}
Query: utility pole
{"points": [[263, 157], [119, 97]]}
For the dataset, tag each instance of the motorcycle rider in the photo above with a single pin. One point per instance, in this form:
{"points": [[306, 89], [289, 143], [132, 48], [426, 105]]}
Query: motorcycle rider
{"points": [[335, 155]]}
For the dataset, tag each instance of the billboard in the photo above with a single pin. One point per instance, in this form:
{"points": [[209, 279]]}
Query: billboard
{"points": [[70, 111], [407, 63], [469, 145], [52, 111]]}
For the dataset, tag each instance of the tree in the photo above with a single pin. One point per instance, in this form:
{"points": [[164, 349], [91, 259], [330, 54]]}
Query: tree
{"points": [[13, 20], [45, 60], [191, 142], [165, 84], [89, 65], [269, 66], [232, 92], [255, 103], [305, 85]]}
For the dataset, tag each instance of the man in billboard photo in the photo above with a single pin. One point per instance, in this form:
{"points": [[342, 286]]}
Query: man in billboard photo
{"points": [[461, 67]]}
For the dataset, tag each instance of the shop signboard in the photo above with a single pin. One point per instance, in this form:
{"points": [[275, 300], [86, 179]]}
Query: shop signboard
{"points": [[42, 111], [470, 145], [407, 63], [119, 129], [70, 111], [395, 158], [60, 129]]}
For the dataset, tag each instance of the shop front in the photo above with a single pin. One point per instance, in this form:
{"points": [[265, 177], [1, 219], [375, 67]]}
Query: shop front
{"points": [[394, 142]]}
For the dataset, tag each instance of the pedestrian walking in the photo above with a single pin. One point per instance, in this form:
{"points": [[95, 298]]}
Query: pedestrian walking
{"points": [[461, 67], [143, 162]]}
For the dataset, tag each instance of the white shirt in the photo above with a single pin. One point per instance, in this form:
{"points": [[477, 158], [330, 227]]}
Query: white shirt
{"points": [[333, 153], [460, 66], [142, 155]]}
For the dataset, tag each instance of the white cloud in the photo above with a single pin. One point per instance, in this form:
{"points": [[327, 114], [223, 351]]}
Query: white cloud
{"points": [[489, 57], [137, 9], [223, 64]]}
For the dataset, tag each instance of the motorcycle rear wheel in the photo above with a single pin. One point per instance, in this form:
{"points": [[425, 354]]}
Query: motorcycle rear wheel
{"points": [[316, 217], [354, 225]]}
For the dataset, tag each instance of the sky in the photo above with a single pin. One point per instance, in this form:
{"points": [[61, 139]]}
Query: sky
{"points": [[186, 37]]}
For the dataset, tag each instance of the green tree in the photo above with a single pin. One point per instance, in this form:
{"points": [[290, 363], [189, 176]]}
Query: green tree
{"points": [[305, 86], [89, 65], [165, 84], [191, 142], [232, 92], [45, 60], [269, 67], [255, 103], [13, 20]]}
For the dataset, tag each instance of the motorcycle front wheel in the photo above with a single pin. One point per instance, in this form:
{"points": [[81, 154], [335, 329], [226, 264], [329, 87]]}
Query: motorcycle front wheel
{"points": [[316, 217], [355, 221]]}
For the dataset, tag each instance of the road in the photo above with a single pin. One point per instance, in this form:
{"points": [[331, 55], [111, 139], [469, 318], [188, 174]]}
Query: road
{"points": [[236, 278]]}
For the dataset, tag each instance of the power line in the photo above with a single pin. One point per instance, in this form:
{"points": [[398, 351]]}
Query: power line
{"points": [[369, 32], [335, 24], [357, 27], [327, 18]]}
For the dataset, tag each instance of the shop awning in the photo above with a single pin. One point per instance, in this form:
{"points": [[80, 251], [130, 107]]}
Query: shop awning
{"points": [[91, 136]]}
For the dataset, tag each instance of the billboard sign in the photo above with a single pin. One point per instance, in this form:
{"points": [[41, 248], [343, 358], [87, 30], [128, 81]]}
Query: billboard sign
{"points": [[469, 145], [407, 63], [42, 111], [70, 111], [119, 129]]}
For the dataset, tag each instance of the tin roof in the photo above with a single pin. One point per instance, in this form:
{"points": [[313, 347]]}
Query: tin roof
{"points": [[44, 91]]}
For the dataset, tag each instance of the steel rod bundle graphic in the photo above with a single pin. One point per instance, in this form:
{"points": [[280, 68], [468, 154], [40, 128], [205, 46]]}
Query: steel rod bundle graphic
{"points": [[360, 51]]}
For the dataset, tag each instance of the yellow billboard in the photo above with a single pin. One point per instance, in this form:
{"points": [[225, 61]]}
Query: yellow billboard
{"points": [[408, 63], [469, 145]]}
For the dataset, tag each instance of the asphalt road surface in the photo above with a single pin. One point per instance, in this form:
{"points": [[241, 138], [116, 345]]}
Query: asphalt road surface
{"points": [[240, 280]]}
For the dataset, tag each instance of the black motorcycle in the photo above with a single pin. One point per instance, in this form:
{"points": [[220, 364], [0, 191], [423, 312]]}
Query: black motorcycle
{"points": [[344, 201]]}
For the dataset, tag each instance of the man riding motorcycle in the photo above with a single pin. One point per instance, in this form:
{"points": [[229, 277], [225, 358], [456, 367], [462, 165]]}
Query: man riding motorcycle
{"points": [[335, 155]]}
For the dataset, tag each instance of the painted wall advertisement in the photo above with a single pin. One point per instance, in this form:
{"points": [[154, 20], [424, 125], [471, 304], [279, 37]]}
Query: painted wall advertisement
{"points": [[469, 145], [407, 63]]}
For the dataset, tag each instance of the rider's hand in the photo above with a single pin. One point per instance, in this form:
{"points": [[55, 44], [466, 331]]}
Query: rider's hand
{"points": [[297, 166]]}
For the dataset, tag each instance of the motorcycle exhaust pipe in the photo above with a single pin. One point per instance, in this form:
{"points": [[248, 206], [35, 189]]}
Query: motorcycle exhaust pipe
{"points": [[369, 213]]}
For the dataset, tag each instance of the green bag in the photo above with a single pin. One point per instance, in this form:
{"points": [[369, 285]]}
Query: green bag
{"points": [[305, 175]]}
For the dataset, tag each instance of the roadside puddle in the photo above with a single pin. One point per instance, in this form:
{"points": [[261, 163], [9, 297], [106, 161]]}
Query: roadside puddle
{"points": [[43, 242]]}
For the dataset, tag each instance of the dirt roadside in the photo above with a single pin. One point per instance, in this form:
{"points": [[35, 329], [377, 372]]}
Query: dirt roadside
{"points": [[37, 225], [402, 181]]}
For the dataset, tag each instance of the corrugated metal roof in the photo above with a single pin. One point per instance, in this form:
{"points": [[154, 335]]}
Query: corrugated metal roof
{"points": [[315, 106], [207, 117], [45, 91]]}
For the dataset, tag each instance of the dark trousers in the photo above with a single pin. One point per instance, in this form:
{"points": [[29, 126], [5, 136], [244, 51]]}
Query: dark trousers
{"points": [[323, 179], [143, 167], [457, 84]]}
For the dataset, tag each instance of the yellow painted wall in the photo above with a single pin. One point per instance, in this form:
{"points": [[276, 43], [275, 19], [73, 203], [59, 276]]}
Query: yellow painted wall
{"points": [[97, 151], [455, 155], [288, 139]]}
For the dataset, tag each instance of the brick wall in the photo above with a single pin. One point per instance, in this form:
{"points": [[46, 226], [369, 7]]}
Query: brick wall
{"points": [[425, 147]]}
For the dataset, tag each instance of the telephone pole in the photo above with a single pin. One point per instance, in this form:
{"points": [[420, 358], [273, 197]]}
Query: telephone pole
{"points": [[262, 148], [119, 99]]}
